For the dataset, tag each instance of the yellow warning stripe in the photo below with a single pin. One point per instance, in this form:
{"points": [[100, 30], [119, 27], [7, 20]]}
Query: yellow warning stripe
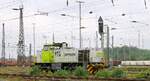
{"points": [[91, 72], [90, 68], [89, 65]]}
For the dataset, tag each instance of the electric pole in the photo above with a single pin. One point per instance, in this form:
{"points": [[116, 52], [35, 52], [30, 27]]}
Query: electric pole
{"points": [[80, 35], [30, 56], [112, 49], [102, 41], [89, 42], [108, 52], [34, 41], [112, 41], [72, 39], [142, 40], [21, 43], [53, 38], [3, 44], [96, 41], [139, 39]]}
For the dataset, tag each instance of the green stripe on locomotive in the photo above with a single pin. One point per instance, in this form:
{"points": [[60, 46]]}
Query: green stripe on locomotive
{"points": [[100, 54], [47, 56]]}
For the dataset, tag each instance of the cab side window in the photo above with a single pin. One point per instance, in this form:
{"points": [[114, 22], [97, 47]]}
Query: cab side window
{"points": [[45, 48], [57, 52]]}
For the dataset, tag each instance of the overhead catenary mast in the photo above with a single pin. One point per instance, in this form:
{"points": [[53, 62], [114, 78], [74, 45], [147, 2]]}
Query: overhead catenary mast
{"points": [[139, 39], [53, 38], [21, 42], [30, 56], [3, 44], [142, 40], [80, 14], [34, 41], [145, 4], [96, 41]]}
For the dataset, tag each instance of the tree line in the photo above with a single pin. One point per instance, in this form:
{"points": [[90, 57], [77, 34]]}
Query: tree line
{"points": [[128, 53]]}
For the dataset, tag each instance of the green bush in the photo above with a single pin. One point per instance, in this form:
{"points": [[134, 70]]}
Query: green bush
{"points": [[62, 73], [118, 73], [140, 75], [35, 70], [103, 74], [80, 72], [50, 73], [145, 74]]}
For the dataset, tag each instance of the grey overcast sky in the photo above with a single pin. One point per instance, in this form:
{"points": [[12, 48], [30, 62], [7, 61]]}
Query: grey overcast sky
{"points": [[66, 28]]}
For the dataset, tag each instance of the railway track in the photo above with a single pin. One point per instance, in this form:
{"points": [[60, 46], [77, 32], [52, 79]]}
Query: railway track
{"points": [[56, 78]]}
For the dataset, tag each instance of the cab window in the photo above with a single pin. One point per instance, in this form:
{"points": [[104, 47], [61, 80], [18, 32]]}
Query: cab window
{"points": [[45, 48]]}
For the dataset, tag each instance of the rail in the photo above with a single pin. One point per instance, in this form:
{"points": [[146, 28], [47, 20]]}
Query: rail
{"points": [[56, 78]]}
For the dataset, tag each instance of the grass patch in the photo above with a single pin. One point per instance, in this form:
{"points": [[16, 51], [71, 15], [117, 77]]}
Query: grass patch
{"points": [[50, 73], [14, 69], [103, 74], [62, 73], [118, 73], [35, 70], [80, 72], [12, 79]]}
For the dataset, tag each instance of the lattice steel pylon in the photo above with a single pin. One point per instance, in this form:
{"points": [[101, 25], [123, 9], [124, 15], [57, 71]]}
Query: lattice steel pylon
{"points": [[3, 45], [21, 43]]}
